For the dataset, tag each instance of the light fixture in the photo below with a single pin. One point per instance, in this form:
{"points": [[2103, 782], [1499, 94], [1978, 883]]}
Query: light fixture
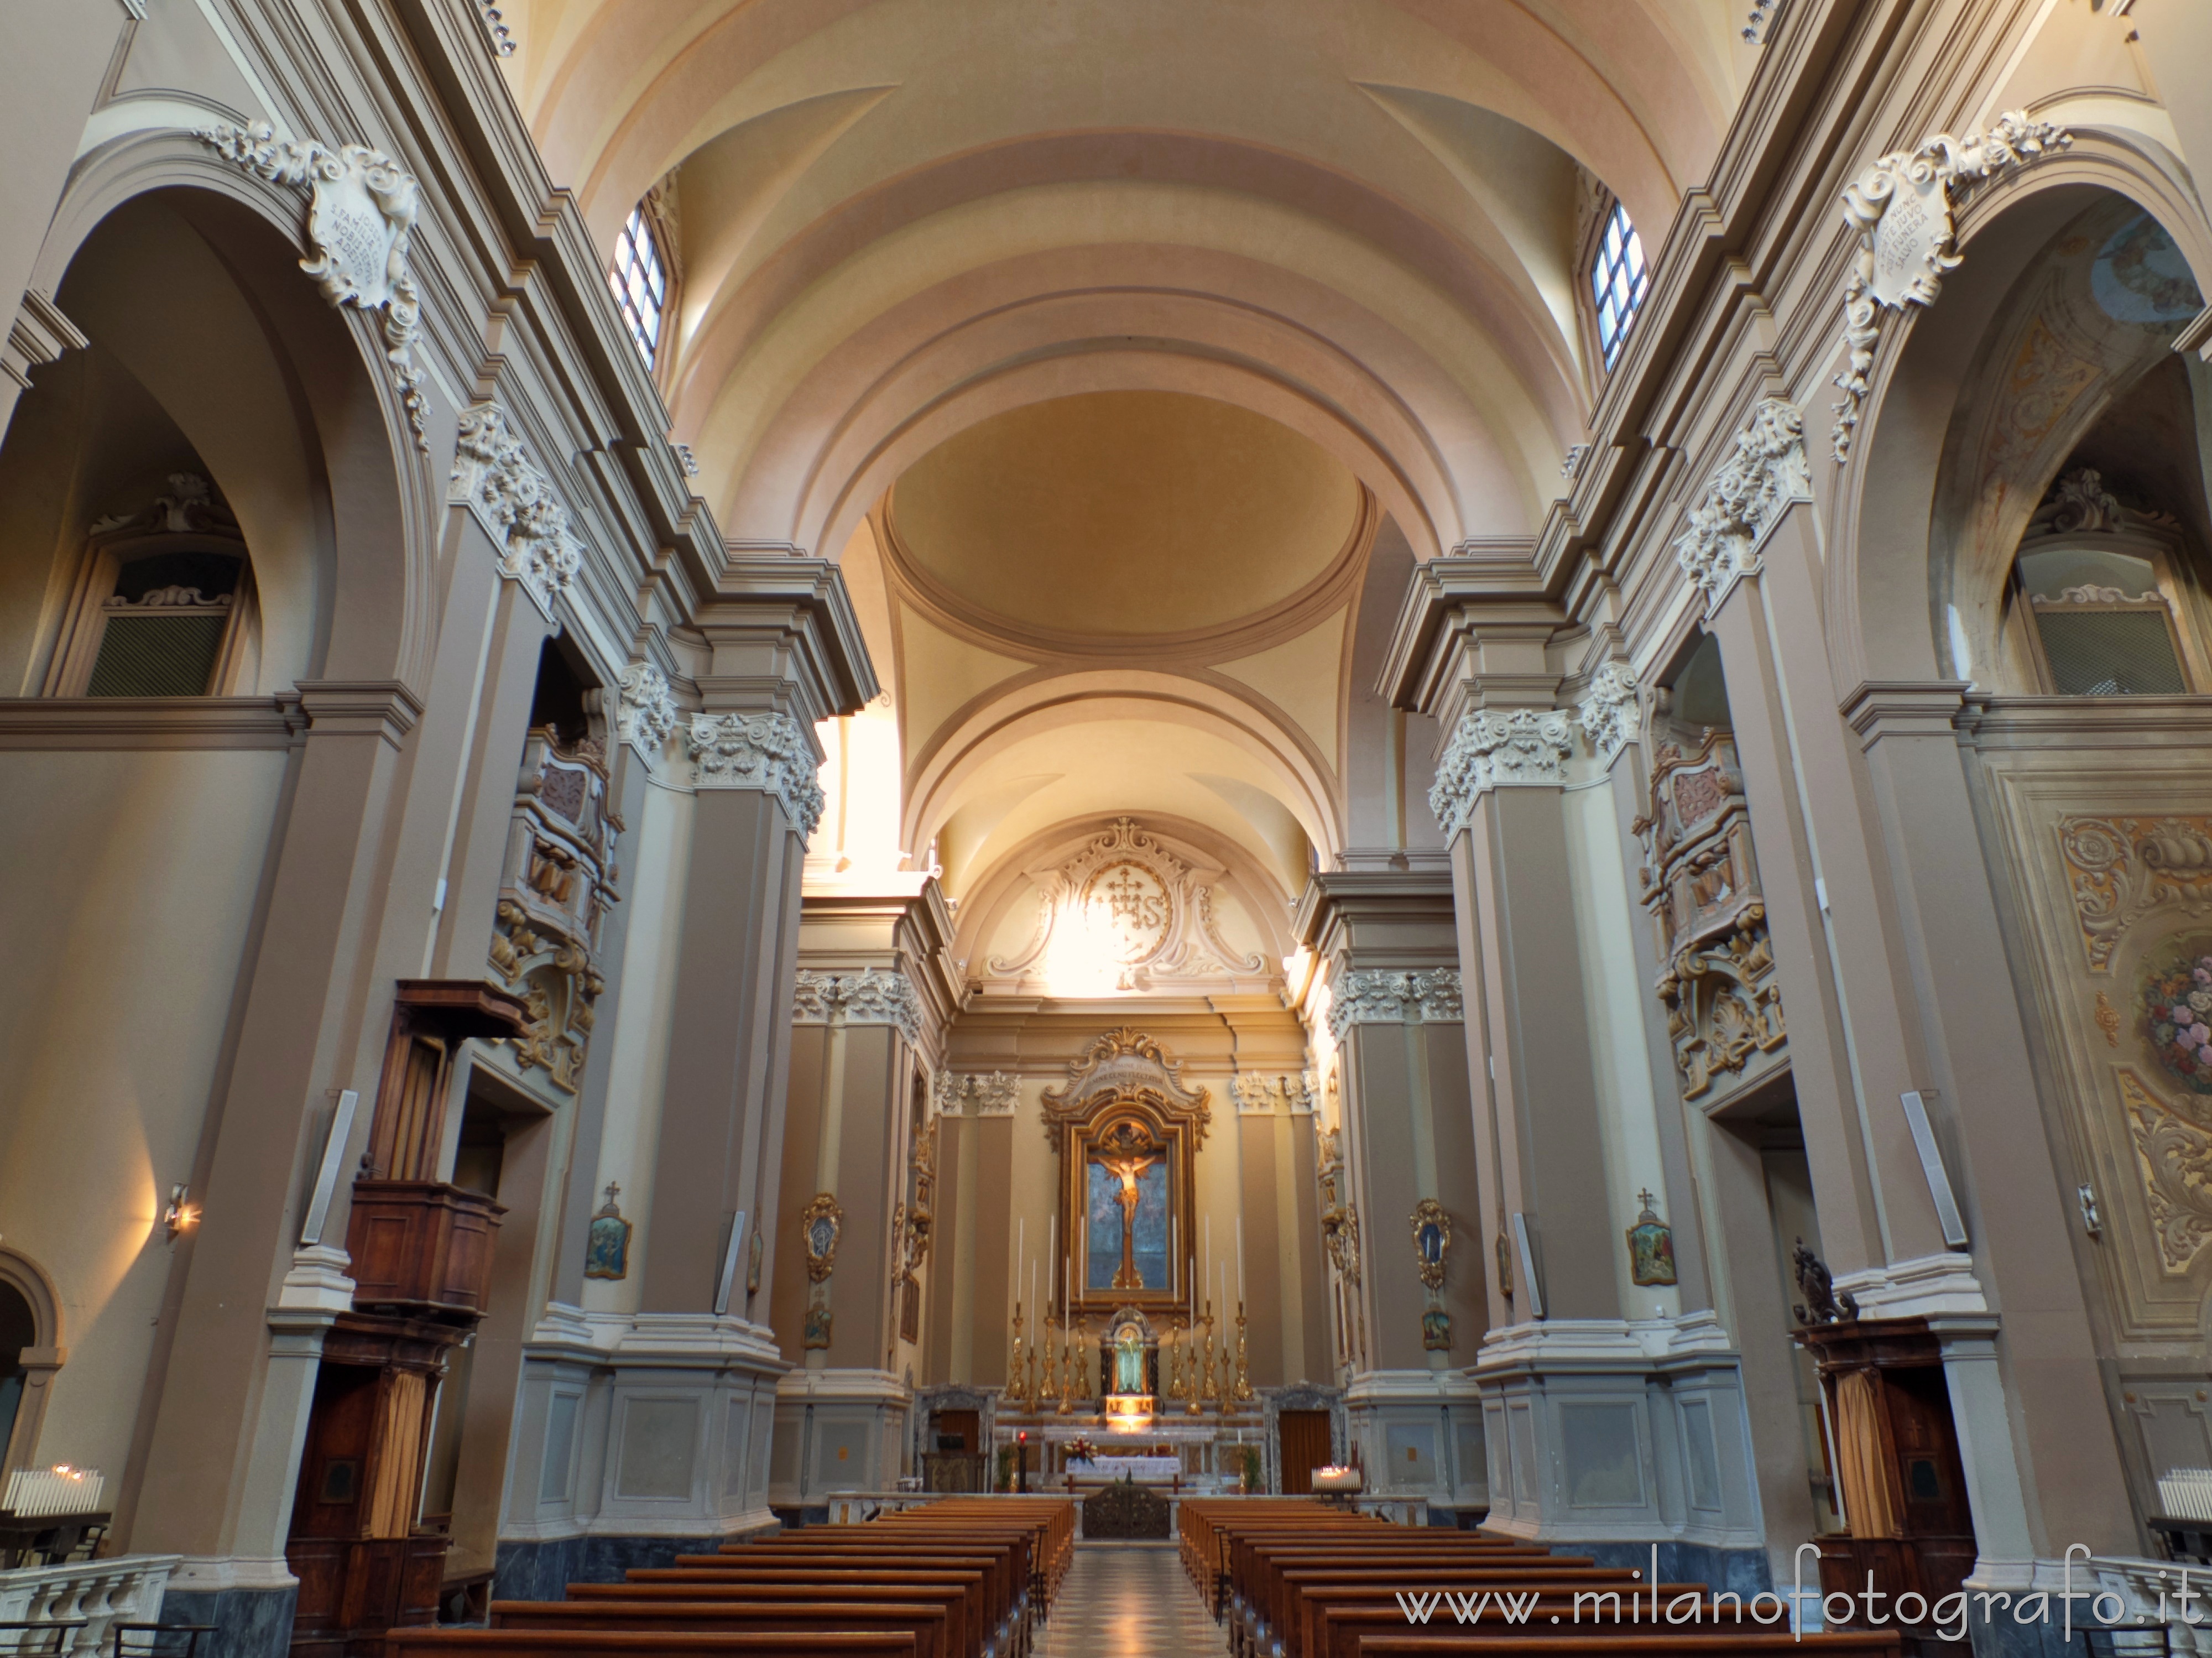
{"points": [[180, 1214]]}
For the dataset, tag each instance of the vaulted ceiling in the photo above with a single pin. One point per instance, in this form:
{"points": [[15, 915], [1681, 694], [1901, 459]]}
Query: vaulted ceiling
{"points": [[1109, 331]]}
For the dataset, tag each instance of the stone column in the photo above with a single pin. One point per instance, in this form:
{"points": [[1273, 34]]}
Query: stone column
{"points": [[224, 1445], [696, 1368], [1402, 1144], [873, 996], [1611, 1430], [1886, 936]]}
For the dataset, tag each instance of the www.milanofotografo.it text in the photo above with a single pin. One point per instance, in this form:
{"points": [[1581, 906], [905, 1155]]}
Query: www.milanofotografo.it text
{"points": [[1947, 1615]]}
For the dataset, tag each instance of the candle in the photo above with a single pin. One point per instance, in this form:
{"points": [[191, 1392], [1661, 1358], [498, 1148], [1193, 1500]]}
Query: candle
{"points": [[1051, 1241], [1240, 1261], [1021, 1240]]}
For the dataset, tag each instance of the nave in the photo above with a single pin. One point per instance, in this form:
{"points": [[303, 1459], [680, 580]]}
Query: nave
{"points": [[1129, 1600]]}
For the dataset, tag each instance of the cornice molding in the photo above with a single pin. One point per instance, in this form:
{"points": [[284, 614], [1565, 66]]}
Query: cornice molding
{"points": [[151, 722]]}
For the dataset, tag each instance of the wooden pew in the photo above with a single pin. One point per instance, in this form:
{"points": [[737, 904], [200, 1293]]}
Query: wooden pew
{"points": [[839, 1616], [624, 1643], [960, 1599], [992, 1622], [1632, 1644]]}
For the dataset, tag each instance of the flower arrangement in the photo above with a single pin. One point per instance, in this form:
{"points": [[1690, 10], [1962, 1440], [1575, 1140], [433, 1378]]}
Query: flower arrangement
{"points": [[2177, 1004], [1080, 1449]]}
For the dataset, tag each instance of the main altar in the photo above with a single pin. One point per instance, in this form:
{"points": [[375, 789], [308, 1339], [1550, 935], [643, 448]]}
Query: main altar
{"points": [[1118, 1369]]}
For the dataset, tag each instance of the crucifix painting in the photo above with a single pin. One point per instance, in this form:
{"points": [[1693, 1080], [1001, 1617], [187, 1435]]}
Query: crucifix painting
{"points": [[1125, 1212]]}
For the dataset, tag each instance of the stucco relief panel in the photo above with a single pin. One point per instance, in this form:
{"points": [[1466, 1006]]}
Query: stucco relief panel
{"points": [[2116, 905]]}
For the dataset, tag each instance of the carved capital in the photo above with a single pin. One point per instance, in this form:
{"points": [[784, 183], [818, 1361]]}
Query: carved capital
{"points": [[994, 1096], [1387, 996], [1899, 208], [645, 709], [360, 211], [1744, 499], [1610, 716], [494, 474], [1493, 748], [763, 751], [872, 996]]}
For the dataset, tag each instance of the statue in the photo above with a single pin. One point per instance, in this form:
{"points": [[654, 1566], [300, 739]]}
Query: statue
{"points": [[1126, 1169], [1129, 1362]]}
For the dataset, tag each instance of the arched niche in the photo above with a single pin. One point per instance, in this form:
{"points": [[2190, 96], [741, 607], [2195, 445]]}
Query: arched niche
{"points": [[1897, 566], [26, 1296], [184, 274]]}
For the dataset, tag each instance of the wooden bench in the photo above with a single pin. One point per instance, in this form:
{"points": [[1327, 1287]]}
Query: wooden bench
{"points": [[992, 1626], [838, 1616], [961, 1600], [1631, 1644], [627, 1643]]}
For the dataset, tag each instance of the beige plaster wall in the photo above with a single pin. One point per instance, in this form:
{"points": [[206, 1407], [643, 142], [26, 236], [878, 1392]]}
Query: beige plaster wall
{"points": [[127, 905]]}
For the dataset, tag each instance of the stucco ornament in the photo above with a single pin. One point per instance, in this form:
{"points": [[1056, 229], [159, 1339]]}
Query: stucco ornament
{"points": [[1490, 749], [763, 751], [1387, 996], [360, 211], [494, 474], [646, 710], [1609, 714], [1744, 499], [952, 1095], [1900, 209], [872, 996]]}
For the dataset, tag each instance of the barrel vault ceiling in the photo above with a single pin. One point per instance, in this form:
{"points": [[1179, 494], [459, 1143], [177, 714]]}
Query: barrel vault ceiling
{"points": [[1106, 341]]}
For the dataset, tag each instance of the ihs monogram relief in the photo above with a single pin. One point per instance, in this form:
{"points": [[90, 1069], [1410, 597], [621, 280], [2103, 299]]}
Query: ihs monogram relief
{"points": [[1127, 903], [2120, 869]]}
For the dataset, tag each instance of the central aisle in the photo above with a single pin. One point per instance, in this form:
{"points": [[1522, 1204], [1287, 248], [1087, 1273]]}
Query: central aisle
{"points": [[1128, 1601]]}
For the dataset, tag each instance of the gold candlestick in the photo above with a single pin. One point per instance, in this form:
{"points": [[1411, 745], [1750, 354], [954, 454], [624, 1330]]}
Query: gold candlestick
{"points": [[1068, 1393], [1206, 1382], [1193, 1383], [1018, 1364], [1244, 1391], [1051, 1366]]}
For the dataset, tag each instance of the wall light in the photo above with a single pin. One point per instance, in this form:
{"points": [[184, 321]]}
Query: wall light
{"points": [[180, 1214]]}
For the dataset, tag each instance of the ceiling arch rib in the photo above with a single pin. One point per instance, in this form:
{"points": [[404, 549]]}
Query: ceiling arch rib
{"points": [[749, 397], [1637, 90], [854, 474], [1038, 724]]}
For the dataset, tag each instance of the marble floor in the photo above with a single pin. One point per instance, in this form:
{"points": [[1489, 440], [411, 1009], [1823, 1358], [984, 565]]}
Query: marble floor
{"points": [[1128, 1601]]}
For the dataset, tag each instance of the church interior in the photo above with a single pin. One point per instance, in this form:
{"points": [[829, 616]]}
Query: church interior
{"points": [[955, 829]]}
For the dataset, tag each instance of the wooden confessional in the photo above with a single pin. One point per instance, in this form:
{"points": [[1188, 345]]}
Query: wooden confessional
{"points": [[1895, 1449], [422, 1252]]}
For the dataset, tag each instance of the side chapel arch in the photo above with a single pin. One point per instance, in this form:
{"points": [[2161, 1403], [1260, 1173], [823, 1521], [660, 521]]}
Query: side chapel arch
{"points": [[1884, 621]]}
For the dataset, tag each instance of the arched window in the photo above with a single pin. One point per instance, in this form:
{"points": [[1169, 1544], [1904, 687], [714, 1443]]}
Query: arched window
{"points": [[640, 278], [163, 605], [2103, 587], [1618, 281], [30, 1353]]}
